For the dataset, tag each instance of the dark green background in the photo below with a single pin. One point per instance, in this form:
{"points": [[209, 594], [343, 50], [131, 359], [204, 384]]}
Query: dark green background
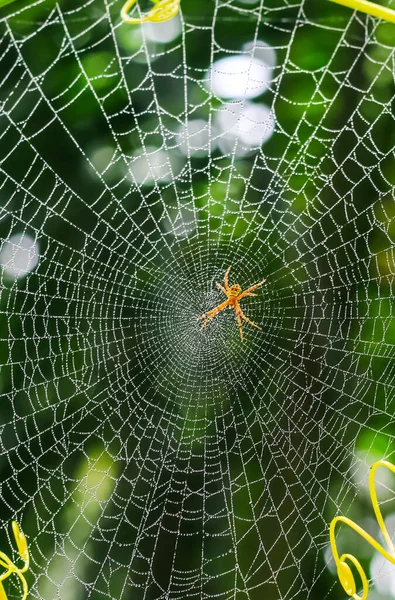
{"points": [[128, 439]]}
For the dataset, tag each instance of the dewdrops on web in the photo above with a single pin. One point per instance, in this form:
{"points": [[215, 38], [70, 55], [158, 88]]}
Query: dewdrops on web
{"points": [[147, 36], [184, 224], [244, 75], [329, 560], [152, 165], [360, 476], [162, 33], [381, 570], [103, 160], [19, 255], [243, 126], [102, 157], [237, 77], [262, 51], [148, 39], [196, 138]]}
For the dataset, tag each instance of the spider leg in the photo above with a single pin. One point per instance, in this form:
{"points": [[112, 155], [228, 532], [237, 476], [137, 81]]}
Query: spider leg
{"points": [[205, 323], [226, 279], [253, 287], [248, 294], [240, 325], [221, 288], [211, 313], [248, 320]]}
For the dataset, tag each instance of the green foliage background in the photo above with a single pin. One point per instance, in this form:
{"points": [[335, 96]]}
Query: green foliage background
{"points": [[73, 415]]}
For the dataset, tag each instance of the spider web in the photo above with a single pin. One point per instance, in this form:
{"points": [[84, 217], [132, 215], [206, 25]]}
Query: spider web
{"points": [[142, 457]]}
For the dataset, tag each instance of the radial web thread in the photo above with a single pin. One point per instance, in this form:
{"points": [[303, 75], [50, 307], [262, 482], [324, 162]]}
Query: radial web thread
{"points": [[143, 458]]}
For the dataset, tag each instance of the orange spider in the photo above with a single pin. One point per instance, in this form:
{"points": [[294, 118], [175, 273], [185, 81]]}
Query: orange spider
{"points": [[234, 295]]}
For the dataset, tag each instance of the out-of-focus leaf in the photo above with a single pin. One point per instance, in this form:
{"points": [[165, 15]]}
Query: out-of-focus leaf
{"points": [[5, 2]]}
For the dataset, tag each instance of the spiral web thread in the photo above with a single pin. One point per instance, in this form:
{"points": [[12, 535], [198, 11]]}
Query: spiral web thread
{"points": [[142, 457]]}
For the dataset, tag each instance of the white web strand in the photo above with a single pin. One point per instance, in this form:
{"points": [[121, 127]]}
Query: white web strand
{"points": [[143, 457]]}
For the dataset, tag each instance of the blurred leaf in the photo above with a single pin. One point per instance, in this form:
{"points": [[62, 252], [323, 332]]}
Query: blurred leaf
{"points": [[5, 2]]}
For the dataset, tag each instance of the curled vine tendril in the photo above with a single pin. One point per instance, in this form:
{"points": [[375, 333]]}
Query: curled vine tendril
{"points": [[11, 567], [166, 9], [163, 10], [344, 572], [370, 8]]}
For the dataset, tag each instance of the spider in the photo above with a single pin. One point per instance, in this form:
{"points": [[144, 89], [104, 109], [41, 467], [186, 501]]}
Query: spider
{"points": [[234, 295]]}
